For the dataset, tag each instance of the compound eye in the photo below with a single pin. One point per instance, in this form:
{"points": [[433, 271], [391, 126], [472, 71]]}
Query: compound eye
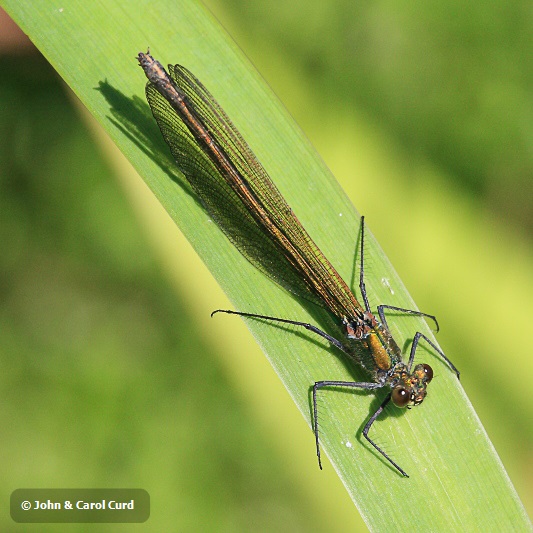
{"points": [[400, 397], [428, 373]]}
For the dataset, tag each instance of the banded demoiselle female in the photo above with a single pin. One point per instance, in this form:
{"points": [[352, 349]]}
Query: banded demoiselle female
{"points": [[240, 196]]}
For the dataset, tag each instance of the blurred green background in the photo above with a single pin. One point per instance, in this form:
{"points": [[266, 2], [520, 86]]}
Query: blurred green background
{"points": [[422, 110]]}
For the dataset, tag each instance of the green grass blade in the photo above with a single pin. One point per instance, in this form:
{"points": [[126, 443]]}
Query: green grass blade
{"points": [[457, 481]]}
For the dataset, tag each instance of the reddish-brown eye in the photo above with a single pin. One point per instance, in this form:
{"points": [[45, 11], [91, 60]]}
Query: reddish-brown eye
{"points": [[400, 397], [428, 372]]}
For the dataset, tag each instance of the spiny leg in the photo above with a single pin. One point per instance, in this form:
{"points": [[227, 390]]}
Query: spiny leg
{"points": [[362, 287], [305, 325], [418, 335], [319, 385], [366, 429], [416, 340], [408, 311]]}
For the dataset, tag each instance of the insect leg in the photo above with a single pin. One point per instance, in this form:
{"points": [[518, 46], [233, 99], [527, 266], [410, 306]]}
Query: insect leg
{"points": [[305, 325], [319, 385], [366, 429]]}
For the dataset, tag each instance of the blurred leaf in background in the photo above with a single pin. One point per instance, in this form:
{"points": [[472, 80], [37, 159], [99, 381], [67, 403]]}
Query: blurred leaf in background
{"points": [[450, 81]]}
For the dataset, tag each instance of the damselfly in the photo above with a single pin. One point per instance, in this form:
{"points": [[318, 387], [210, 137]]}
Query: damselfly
{"points": [[245, 203]]}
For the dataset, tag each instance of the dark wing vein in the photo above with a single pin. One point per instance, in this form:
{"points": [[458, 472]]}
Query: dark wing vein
{"points": [[220, 200], [281, 248]]}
